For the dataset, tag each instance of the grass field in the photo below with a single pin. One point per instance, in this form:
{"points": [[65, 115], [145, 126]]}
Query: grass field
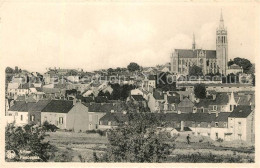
{"points": [[79, 147]]}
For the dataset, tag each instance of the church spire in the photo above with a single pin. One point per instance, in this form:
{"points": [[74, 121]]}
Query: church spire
{"points": [[221, 22], [193, 43]]}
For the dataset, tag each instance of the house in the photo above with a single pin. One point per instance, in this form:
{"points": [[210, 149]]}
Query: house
{"points": [[78, 118], [171, 101], [12, 89], [224, 102], [220, 87], [242, 124], [211, 125], [136, 92], [19, 111], [185, 106], [152, 81], [234, 68], [112, 120], [155, 99], [98, 110], [8, 103], [34, 113], [56, 112]]}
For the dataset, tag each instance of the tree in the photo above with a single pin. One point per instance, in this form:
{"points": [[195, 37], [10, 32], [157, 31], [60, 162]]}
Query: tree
{"points": [[195, 71], [16, 69], [165, 83], [138, 141], [200, 91], [9, 70], [72, 73], [253, 79], [242, 62], [110, 71], [230, 62], [133, 67], [28, 138]]}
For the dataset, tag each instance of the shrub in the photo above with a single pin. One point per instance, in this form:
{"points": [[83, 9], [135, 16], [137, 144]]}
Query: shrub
{"points": [[49, 127], [219, 140], [100, 132], [29, 138]]}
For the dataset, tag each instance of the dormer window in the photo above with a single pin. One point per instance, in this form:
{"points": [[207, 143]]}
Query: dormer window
{"points": [[214, 108], [216, 124]]}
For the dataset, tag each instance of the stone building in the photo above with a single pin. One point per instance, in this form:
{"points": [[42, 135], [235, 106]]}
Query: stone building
{"points": [[211, 61]]}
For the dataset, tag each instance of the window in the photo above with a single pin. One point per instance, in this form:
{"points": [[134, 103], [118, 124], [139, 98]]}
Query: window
{"points": [[208, 134], [90, 127], [97, 118], [214, 108], [239, 136], [90, 117], [32, 117], [239, 123], [216, 124], [202, 110], [21, 117], [231, 107], [61, 120]]}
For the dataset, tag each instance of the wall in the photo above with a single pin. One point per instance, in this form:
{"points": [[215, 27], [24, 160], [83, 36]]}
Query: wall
{"points": [[77, 118], [37, 118], [53, 118]]}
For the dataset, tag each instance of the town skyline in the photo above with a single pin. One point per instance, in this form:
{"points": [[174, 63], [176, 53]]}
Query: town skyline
{"points": [[99, 41]]}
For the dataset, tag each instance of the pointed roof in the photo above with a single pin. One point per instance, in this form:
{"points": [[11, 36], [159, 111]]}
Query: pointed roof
{"points": [[193, 43], [221, 22], [232, 99]]}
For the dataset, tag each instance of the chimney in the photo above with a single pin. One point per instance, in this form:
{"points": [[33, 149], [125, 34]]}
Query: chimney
{"points": [[213, 96], [182, 125], [74, 101], [165, 96], [216, 113]]}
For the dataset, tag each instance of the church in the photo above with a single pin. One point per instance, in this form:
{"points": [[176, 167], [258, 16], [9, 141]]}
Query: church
{"points": [[210, 61]]}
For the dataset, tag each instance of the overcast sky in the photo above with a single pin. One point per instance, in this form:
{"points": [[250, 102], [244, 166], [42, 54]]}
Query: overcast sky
{"points": [[92, 36]]}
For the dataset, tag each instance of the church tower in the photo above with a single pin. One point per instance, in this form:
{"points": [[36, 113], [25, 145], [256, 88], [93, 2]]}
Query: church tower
{"points": [[222, 47], [193, 43]]}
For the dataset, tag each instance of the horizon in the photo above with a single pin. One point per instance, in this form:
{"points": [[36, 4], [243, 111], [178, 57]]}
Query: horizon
{"points": [[96, 36]]}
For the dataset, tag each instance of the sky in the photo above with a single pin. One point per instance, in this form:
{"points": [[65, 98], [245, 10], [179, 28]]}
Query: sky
{"points": [[92, 35]]}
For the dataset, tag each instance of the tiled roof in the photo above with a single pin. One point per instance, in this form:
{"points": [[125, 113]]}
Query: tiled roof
{"points": [[189, 53], [196, 117], [101, 99], [117, 117], [25, 86], [221, 99], [241, 112], [105, 107], [152, 77], [17, 105], [59, 106], [40, 105], [173, 99], [243, 100], [138, 97], [204, 103], [158, 95], [186, 103], [21, 106]]}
